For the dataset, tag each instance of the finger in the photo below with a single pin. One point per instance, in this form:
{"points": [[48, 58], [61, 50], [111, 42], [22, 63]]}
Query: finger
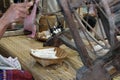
{"points": [[20, 20], [25, 4], [23, 10], [22, 15], [29, 4]]}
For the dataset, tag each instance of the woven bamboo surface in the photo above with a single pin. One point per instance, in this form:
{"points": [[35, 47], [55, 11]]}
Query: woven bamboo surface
{"points": [[20, 46]]}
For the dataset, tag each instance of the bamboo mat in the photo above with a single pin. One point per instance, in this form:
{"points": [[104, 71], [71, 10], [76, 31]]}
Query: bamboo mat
{"points": [[20, 46]]}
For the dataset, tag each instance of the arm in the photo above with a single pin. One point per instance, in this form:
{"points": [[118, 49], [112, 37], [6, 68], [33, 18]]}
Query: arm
{"points": [[15, 13], [3, 26]]}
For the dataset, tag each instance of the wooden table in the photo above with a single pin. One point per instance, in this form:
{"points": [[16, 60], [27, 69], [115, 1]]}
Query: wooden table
{"points": [[19, 46]]}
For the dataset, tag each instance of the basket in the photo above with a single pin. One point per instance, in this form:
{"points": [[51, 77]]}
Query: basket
{"points": [[60, 53]]}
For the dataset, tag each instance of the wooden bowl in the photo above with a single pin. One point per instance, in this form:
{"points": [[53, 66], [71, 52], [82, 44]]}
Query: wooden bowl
{"points": [[60, 53]]}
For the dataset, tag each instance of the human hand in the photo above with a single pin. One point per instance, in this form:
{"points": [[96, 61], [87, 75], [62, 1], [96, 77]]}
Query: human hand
{"points": [[17, 12]]}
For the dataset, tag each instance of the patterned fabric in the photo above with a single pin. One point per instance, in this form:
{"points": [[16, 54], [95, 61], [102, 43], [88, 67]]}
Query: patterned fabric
{"points": [[15, 75]]}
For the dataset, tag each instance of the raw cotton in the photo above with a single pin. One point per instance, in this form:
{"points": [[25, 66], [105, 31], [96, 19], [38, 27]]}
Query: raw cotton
{"points": [[49, 53]]}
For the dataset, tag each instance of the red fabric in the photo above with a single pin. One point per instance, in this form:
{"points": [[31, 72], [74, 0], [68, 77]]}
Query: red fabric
{"points": [[15, 75]]}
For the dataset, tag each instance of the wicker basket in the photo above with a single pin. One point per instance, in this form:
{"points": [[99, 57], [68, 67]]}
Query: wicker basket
{"points": [[61, 54]]}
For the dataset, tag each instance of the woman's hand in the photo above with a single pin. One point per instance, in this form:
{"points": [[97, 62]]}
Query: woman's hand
{"points": [[16, 12]]}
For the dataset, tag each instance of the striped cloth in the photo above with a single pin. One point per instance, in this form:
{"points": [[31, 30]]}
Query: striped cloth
{"points": [[15, 75]]}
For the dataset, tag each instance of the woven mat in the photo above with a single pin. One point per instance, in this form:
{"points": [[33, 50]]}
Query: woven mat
{"points": [[20, 46]]}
